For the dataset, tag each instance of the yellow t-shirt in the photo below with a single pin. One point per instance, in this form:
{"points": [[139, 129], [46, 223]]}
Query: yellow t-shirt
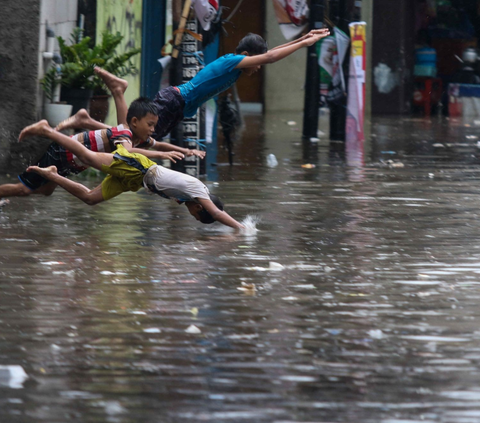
{"points": [[125, 173]]}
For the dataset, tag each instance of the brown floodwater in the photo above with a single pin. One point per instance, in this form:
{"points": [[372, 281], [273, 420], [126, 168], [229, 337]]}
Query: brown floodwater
{"points": [[354, 296]]}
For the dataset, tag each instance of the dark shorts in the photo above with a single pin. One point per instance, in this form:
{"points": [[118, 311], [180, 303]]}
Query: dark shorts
{"points": [[55, 155], [170, 104]]}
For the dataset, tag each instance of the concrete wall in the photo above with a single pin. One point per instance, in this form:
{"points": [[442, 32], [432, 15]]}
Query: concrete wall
{"points": [[284, 80], [18, 73]]}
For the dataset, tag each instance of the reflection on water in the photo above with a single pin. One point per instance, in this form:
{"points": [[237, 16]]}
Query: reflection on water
{"points": [[352, 298]]}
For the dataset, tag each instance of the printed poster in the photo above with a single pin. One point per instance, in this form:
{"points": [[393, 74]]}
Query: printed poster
{"points": [[292, 16], [331, 53], [356, 83]]}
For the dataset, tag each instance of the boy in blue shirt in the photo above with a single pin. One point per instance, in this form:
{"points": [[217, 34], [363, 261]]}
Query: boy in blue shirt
{"points": [[175, 103]]}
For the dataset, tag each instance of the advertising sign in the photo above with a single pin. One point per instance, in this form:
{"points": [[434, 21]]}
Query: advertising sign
{"points": [[356, 83]]}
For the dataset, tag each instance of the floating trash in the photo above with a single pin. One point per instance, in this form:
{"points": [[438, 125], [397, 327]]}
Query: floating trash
{"points": [[12, 376], [248, 288], [193, 329], [152, 330], [275, 266], [272, 160]]}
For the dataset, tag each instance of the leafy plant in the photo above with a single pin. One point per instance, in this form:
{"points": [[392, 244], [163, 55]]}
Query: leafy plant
{"points": [[79, 59], [50, 81]]}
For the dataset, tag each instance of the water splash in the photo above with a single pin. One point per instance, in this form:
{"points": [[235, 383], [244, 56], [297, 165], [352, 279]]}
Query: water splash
{"points": [[250, 222]]}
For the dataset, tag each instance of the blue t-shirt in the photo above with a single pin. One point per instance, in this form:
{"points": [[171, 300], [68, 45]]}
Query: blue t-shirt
{"points": [[210, 81]]}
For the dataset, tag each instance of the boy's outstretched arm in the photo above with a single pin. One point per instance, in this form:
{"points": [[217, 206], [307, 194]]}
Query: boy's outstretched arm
{"points": [[165, 146], [279, 53], [312, 32], [219, 215]]}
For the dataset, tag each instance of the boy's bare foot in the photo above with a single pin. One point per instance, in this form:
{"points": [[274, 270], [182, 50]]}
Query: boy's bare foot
{"points": [[39, 128], [80, 119], [43, 171], [114, 83]]}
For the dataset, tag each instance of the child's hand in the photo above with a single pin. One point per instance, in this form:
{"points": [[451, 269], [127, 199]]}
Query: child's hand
{"points": [[198, 153], [172, 156], [315, 35]]}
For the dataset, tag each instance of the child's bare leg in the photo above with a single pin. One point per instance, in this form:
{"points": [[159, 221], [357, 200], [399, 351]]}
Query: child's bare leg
{"points": [[90, 158], [83, 120], [14, 190], [20, 190], [88, 196], [117, 87]]}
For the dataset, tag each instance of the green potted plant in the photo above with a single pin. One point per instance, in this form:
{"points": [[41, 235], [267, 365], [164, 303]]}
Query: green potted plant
{"points": [[55, 111], [80, 58]]}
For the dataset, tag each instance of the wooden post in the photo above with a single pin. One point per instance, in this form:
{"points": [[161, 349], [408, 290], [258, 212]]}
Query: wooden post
{"points": [[181, 27]]}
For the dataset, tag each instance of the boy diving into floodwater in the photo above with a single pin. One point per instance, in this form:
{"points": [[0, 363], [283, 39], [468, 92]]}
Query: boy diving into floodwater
{"points": [[132, 132], [175, 103], [129, 171]]}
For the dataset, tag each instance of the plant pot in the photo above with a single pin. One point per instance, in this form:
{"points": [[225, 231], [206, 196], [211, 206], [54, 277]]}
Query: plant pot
{"points": [[99, 107], [56, 113], [79, 98]]}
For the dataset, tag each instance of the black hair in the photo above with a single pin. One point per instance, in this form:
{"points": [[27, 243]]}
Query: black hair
{"points": [[253, 44], [140, 107], [205, 216]]}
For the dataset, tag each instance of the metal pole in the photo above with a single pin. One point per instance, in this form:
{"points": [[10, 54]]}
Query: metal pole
{"points": [[338, 112], [312, 82]]}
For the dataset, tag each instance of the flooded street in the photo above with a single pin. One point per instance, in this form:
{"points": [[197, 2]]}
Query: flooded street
{"points": [[356, 300]]}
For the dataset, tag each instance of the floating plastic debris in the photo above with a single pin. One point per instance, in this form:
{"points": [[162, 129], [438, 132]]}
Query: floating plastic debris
{"points": [[193, 329], [291, 123], [12, 376], [308, 166], [272, 160], [375, 334], [152, 330], [275, 266]]}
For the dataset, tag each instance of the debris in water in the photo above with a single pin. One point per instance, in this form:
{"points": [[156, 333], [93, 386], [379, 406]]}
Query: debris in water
{"points": [[275, 266], [272, 160], [248, 288], [12, 376], [152, 330], [193, 329]]}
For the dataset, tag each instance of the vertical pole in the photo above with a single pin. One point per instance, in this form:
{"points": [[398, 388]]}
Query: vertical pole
{"points": [[189, 62], [176, 76], [312, 83], [338, 112]]}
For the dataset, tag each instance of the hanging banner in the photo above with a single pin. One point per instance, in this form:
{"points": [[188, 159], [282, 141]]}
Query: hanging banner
{"points": [[292, 16], [205, 10], [356, 83], [331, 53]]}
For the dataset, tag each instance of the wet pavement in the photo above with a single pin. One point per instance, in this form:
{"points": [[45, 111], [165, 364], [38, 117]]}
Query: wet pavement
{"points": [[355, 300]]}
